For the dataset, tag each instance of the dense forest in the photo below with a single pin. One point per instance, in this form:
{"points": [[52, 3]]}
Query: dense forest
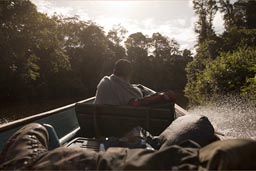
{"points": [[223, 64], [44, 57], [56, 57]]}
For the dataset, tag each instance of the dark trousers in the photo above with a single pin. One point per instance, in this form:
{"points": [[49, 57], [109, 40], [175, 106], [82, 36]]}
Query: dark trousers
{"points": [[28, 149]]}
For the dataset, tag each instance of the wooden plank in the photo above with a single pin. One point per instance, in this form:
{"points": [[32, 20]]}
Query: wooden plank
{"points": [[180, 110]]}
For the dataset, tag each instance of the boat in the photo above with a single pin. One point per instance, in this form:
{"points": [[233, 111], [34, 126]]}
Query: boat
{"points": [[83, 121]]}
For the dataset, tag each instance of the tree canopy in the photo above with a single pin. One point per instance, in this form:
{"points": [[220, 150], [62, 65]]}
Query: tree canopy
{"points": [[46, 57], [57, 57], [225, 63]]}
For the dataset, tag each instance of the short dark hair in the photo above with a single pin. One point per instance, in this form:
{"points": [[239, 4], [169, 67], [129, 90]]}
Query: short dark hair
{"points": [[122, 68]]}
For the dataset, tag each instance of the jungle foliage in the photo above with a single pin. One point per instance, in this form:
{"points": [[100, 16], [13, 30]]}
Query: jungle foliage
{"points": [[226, 63], [44, 57]]}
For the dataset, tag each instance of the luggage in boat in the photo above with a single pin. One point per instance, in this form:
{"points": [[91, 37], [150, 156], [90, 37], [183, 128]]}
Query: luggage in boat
{"points": [[188, 127]]}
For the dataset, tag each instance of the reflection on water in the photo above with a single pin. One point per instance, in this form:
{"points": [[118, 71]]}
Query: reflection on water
{"points": [[17, 110], [232, 116]]}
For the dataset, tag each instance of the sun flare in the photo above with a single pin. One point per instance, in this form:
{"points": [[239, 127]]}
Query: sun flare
{"points": [[120, 7], [119, 4]]}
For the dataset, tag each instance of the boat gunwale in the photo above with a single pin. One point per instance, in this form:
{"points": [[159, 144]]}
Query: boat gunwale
{"points": [[38, 116], [35, 117]]}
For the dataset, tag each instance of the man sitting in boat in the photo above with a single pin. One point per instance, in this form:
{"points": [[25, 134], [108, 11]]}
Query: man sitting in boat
{"points": [[117, 90]]}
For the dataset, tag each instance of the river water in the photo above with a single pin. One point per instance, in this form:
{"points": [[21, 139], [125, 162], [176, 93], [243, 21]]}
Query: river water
{"points": [[15, 110], [230, 115]]}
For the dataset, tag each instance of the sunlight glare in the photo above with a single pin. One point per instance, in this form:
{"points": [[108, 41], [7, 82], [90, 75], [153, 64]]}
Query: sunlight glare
{"points": [[119, 4], [119, 8]]}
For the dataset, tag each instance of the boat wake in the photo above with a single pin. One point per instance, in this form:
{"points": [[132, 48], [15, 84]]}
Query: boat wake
{"points": [[232, 116]]}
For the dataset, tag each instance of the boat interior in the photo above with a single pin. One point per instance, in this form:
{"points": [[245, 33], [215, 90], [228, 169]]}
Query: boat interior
{"points": [[84, 124]]}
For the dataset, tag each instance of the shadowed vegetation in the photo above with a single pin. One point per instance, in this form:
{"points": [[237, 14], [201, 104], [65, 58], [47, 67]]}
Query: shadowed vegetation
{"points": [[46, 57], [54, 57], [223, 64]]}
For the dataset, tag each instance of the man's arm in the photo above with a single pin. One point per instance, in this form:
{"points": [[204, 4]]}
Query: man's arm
{"points": [[145, 91]]}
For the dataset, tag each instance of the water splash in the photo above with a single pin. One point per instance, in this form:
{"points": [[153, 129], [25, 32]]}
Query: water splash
{"points": [[232, 115]]}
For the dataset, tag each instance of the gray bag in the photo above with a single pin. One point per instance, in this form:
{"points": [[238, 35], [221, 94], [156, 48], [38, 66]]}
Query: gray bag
{"points": [[189, 127]]}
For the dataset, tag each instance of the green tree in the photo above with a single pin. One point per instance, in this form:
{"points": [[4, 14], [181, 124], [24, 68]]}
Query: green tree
{"points": [[137, 52], [136, 45], [158, 62], [229, 13], [30, 52], [58, 57], [117, 34], [92, 53], [249, 89], [239, 15], [116, 38], [230, 73], [206, 10]]}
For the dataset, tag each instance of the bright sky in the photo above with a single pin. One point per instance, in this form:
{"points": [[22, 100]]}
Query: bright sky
{"points": [[172, 18]]}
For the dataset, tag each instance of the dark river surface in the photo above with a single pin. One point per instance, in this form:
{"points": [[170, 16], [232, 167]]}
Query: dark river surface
{"points": [[231, 116], [15, 110]]}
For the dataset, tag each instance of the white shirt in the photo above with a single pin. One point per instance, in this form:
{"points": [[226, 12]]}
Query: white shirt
{"points": [[113, 90]]}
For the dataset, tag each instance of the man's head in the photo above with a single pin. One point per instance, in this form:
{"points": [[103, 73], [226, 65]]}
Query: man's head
{"points": [[123, 68]]}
